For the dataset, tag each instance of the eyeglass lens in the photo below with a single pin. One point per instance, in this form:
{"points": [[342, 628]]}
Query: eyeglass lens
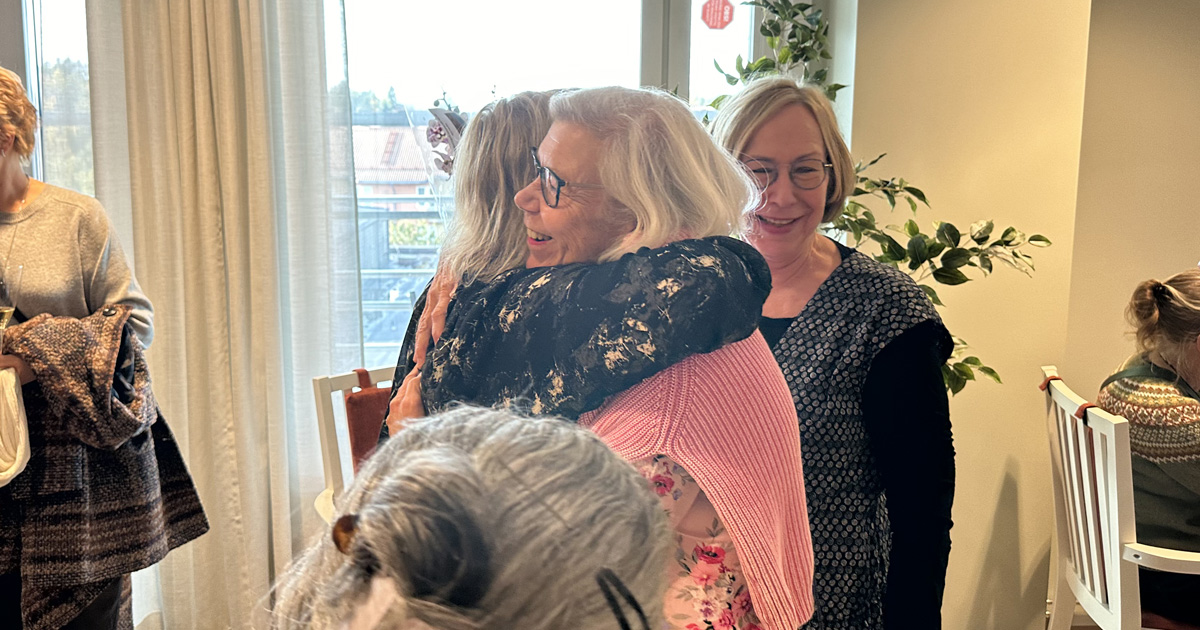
{"points": [[550, 182], [806, 174]]}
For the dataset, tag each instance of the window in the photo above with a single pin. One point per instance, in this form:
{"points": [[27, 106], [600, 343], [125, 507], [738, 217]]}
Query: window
{"points": [[58, 86], [404, 199], [720, 45], [403, 57]]}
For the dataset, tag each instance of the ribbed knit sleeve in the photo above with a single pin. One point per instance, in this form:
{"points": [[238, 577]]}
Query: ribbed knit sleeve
{"points": [[727, 417]]}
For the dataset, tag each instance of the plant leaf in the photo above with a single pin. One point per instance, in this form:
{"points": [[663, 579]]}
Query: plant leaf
{"points": [[948, 234], [891, 247], [916, 192], [950, 276], [980, 231], [933, 296], [955, 258], [910, 228], [990, 373], [1038, 240], [964, 371], [916, 251]]}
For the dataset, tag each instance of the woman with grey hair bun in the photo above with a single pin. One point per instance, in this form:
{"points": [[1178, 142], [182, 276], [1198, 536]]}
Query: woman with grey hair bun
{"points": [[469, 519]]}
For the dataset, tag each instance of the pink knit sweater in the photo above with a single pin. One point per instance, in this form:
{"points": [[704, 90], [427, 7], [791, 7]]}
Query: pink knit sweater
{"points": [[728, 418]]}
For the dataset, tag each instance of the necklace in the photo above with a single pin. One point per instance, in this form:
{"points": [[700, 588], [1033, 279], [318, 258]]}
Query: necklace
{"points": [[24, 195]]}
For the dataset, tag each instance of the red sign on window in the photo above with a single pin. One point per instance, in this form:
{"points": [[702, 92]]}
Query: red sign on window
{"points": [[717, 13]]}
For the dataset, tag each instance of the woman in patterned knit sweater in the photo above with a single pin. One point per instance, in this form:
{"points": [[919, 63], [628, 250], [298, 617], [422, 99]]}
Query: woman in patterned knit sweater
{"points": [[1156, 390], [861, 348], [618, 171]]}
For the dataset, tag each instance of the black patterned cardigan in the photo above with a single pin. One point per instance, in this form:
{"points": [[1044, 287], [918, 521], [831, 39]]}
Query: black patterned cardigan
{"points": [[105, 492], [558, 340]]}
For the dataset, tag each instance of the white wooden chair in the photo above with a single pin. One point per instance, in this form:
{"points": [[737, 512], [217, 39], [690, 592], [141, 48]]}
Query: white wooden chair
{"points": [[1097, 550], [341, 462]]}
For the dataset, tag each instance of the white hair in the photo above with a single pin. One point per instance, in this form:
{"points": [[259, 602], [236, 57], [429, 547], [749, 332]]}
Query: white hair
{"points": [[659, 164], [477, 519]]}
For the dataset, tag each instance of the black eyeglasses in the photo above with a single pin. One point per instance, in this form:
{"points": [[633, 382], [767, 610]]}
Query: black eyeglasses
{"points": [[805, 174], [551, 183]]}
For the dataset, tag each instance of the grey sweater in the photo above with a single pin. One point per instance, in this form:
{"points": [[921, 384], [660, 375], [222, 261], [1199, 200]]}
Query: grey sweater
{"points": [[73, 263]]}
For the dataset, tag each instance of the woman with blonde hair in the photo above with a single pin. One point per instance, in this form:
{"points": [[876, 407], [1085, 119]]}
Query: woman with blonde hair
{"points": [[105, 491], [470, 519], [1156, 390], [862, 350]]}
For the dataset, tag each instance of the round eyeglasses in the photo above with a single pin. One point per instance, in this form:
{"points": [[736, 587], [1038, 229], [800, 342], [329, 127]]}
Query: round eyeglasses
{"points": [[551, 183], [805, 174]]}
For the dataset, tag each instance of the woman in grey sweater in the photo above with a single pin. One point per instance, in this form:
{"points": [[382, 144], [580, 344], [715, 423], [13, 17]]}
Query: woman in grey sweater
{"points": [[105, 491]]}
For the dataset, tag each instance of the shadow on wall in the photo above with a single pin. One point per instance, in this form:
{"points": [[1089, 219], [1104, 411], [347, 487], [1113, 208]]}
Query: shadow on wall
{"points": [[1003, 601]]}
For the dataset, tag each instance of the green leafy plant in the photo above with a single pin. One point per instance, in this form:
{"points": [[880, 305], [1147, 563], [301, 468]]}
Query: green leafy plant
{"points": [[797, 36]]}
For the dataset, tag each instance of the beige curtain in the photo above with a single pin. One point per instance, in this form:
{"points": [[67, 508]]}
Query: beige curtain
{"points": [[240, 185]]}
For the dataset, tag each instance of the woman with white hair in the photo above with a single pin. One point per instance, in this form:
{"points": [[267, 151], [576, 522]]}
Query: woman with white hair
{"points": [[709, 305], [621, 171], [469, 519]]}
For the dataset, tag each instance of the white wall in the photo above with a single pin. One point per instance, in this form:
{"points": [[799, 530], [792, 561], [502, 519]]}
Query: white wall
{"points": [[1137, 217], [981, 104]]}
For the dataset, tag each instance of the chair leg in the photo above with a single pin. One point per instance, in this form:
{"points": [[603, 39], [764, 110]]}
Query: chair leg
{"points": [[1062, 605]]}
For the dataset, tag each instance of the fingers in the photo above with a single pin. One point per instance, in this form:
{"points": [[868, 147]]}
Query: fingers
{"points": [[24, 373], [437, 317], [432, 323], [407, 403], [423, 338]]}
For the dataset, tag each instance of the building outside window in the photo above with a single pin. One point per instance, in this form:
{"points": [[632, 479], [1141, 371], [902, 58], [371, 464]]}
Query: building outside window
{"points": [[402, 58]]}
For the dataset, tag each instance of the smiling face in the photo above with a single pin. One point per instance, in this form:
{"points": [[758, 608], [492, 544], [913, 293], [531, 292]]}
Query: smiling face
{"points": [[785, 223], [586, 221]]}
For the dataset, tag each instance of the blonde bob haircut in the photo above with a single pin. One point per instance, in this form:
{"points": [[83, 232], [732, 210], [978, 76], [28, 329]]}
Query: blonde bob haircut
{"points": [[491, 163], [480, 518], [18, 117], [742, 116], [659, 165]]}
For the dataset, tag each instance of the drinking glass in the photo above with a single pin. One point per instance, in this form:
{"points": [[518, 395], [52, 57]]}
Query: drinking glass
{"points": [[10, 287]]}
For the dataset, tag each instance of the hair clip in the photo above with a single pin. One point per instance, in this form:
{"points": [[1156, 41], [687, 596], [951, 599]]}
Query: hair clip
{"points": [[1161, 290], [344, 531], [608, 582]]}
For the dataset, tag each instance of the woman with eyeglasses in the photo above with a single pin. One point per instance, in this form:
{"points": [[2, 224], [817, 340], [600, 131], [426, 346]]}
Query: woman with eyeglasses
{"points": [[862, 349], [1158, 391], [471, 519], [614, 287]]}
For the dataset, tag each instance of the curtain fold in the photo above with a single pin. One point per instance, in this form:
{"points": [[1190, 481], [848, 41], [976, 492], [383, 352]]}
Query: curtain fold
{"points": [[242, 205]]}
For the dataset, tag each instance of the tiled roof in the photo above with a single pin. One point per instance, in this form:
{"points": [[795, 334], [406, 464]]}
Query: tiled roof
{"points": [[391, 154]]}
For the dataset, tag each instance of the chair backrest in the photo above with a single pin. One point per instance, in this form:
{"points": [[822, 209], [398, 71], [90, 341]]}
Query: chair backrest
{"points": [[365, 406], [1093, 504]]}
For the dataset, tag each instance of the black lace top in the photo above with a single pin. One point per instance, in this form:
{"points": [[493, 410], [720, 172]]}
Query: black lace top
{"points": [[559, 340]]}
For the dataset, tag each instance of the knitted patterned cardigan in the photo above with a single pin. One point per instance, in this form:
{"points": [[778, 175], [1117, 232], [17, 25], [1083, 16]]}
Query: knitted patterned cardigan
{"points": [[106, 491], [741, 445], [1164, 435]]}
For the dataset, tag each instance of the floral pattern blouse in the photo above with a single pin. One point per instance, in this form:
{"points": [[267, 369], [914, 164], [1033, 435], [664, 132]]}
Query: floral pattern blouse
{"points": [[559, 340], [705, 586]]}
